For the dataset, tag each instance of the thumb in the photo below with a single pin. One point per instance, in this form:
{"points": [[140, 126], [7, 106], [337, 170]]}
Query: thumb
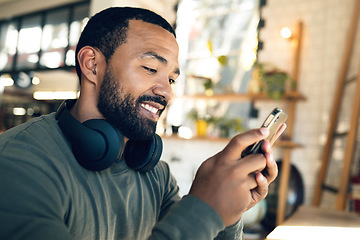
{"points": [[238, 143]]}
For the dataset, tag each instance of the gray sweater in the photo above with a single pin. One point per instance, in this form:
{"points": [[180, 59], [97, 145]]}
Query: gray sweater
{"points": [[46, 194]]}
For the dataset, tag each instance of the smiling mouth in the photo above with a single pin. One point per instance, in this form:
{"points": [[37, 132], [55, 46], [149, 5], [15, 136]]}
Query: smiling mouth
{"points": [[154, 110], [150, 108]]}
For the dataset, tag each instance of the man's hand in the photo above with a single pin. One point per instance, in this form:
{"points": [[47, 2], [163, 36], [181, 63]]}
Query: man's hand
{"points": [[232, 185]]}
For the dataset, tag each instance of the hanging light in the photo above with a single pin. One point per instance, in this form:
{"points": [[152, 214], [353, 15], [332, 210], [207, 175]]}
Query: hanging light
{"points": [[286, 33]]}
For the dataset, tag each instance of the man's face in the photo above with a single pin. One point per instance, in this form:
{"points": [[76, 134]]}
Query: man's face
{"points": [[137, 83]]}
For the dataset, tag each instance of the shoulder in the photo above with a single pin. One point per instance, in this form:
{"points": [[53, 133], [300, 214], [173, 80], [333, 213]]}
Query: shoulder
{"points": [[37, 155], [35, 128], [37, 143]]}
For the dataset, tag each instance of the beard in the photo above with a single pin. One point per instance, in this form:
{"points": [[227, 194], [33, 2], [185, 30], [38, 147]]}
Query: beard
{"points": [[123, 110]]}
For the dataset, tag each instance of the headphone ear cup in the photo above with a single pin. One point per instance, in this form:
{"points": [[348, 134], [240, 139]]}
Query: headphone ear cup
{"points": [[143, 155], [103, 150], [96, 144]]}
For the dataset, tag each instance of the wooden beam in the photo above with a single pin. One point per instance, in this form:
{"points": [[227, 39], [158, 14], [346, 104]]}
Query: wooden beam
{"points": [[349, 150], [286, 164], [337, 103]]}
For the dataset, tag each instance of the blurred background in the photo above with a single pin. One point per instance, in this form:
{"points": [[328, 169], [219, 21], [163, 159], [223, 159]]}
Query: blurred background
{"points": [[239, 59]]}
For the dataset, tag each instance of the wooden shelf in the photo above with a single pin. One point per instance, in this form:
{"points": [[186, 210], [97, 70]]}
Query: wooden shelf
{"points": [[242, 97]]}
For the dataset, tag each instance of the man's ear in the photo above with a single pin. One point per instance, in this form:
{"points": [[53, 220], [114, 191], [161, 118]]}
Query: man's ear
{"points": [[87, 57]]}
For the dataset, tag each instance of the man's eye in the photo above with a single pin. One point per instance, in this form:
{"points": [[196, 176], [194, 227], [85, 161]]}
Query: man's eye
{"points": [[150, 69], [172, 81]]}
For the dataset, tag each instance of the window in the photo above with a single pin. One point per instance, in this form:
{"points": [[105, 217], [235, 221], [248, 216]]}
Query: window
{"points": [[54, 39], [29, 41], [77, 25], [218, 42], [43, 40], [8, 42]]}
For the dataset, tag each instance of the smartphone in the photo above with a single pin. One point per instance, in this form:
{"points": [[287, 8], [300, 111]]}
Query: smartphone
{"points": [[273, 122]]}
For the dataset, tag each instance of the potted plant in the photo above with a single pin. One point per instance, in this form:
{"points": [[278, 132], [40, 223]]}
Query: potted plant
{"points": [[201, 123], [271, 80], [229, 126]]}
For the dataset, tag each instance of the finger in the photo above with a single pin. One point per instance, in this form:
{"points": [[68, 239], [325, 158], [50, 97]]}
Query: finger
{"points": [[266, 146], [238, 143], [252, 182], [253, 163], [260, 192], [271, 168]]}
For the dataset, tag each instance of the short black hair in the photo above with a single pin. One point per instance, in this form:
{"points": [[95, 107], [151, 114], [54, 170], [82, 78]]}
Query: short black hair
{"points": [[107, 30]]}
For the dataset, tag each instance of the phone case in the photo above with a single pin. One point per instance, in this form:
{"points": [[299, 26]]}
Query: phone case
{"points": [[273, 122]]}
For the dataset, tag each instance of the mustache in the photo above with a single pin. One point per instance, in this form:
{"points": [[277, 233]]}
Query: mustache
{"points": [[156, 99]]}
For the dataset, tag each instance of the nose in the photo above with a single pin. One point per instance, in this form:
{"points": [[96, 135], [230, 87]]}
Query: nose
{"points": [[163, 89]]}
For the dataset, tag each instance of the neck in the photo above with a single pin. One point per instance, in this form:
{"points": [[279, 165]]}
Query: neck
{"points": [[82, 112]]}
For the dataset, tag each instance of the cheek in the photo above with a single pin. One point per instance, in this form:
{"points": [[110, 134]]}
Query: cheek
{"points": [[136, 83]]}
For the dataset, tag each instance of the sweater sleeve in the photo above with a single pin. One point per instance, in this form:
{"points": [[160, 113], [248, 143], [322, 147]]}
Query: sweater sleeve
{"points": [[189, 217], [234, 232]]}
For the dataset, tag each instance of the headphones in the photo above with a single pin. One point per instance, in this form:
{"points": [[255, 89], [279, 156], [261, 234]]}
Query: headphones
{"points": [[97, 144]]}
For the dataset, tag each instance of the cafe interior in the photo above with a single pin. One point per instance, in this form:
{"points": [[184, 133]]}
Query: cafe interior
{"points": [[239, 60]]}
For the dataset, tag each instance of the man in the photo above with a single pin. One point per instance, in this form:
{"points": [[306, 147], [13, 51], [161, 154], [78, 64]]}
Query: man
{"points": [[60, 179]]}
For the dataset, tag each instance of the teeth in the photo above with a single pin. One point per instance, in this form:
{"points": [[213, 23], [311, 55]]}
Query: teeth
{"points": [[149, 108]]}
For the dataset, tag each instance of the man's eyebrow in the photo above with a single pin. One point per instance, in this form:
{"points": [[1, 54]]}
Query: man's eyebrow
{"points": [[153, 55], [159, 58]]}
